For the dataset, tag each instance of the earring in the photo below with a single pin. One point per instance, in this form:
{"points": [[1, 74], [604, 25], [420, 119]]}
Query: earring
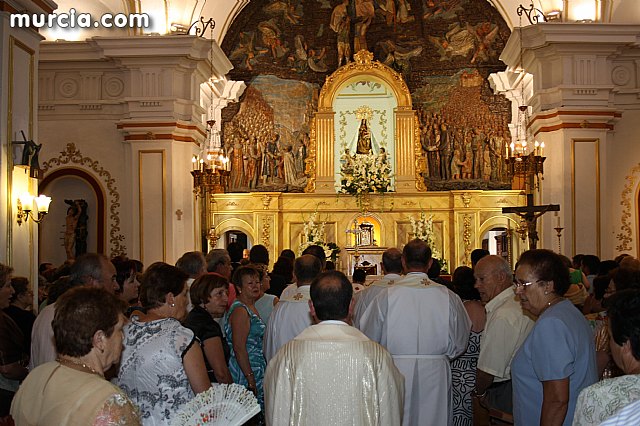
{"points": [[546, 292], [173, 305]]}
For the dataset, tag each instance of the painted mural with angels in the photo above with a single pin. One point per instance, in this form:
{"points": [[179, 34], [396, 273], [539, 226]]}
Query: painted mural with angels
{"points": [[444, 49]]}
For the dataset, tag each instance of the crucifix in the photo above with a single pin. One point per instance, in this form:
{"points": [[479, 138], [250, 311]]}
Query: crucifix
{"points": [[530, 213], [355, 230]]}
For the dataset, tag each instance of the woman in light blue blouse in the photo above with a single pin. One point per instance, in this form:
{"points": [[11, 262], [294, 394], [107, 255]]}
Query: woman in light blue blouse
{"points": [[557, 360]]}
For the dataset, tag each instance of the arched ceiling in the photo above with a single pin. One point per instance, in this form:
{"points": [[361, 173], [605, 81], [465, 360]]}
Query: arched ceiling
{"points": [[165, 12]]}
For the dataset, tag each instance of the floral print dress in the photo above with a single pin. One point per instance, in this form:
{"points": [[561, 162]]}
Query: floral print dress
{"points": [[151, 370], [254, 349]]}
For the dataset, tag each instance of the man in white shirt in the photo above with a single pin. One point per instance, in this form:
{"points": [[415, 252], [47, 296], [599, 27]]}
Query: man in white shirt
{"points": [[331, 373], [392, 270], [506, 328], [291, 315], [424, 325], [90, 269], [314, 250]]}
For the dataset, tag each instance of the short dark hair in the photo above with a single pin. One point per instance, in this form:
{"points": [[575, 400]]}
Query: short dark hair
{"points": [[202, 287], [600, 285], [192, 263], [591, 262], [359, 276], [478, 254], [20, 286], [624, 318], [259, 254], [317, 251], [307, 267], [124, 269], [416, 254], [79, 314], [159, 280], [59, 287], [547, 266], [284, 268], [244, 271], [289, 254], [88, 265], [235, 251], [331, 294], [463, 282], [392, 261]]}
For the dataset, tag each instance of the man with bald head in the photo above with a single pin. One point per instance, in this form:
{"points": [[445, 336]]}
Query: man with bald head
{"points": [[506, 328], [392, 272], [331, 373], [291, 315], [90, 269]]}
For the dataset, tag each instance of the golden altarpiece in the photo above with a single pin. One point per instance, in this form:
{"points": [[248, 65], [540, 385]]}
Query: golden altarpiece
{"points": [[461, 218]]}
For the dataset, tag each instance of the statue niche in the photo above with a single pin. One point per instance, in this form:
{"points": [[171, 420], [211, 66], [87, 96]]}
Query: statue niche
{"points": [[364, 108]]}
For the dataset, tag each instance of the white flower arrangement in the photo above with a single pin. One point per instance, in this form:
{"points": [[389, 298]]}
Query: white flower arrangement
{"points": [[367, 173], [422, 228], [313, 234]]}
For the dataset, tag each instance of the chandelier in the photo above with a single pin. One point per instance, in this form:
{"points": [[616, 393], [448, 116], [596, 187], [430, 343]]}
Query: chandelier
{"points": [[210, 169], [525, 155]]}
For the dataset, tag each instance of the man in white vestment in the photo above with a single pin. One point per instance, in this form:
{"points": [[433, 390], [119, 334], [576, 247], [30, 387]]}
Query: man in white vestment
{"points": [[392, 270], [506, 328], [331, 373], [424, 325], [90, 269], [291, 315]]}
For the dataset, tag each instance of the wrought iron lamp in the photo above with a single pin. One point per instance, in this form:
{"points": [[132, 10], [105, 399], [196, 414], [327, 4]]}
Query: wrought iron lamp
{"points": [[563, 10], [25, 207]]}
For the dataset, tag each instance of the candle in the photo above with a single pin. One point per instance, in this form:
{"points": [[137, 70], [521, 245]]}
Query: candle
{"points": [[542, 149], [536, 150], [558, 217], [194, 160], [513, 148]]}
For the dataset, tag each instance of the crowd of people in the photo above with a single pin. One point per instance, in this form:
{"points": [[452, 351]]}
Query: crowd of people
{"points": [[554, 341]]}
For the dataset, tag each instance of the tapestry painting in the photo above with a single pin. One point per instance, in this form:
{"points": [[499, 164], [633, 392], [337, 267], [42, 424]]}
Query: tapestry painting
{"points": [[444, 49]]}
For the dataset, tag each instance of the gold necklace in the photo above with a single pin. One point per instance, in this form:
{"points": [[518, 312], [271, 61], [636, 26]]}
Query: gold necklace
{"points": [[72, 362]]}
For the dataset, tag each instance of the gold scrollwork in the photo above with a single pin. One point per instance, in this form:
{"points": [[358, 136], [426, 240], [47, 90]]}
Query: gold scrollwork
{"points": [[266, 201], [310, 161], [626, 234], [72, 155], [266, 231], [421, 161], [466, 238]]}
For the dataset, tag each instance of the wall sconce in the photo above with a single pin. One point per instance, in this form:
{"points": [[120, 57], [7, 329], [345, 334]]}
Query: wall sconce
{"points": [[25, 206], [563, 11]]}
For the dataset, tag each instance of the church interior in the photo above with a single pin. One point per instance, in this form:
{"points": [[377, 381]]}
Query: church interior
{"points": [[359, 124]]}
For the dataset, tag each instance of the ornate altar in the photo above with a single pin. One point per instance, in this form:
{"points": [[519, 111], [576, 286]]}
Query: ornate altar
{"points": [[276, 219]]}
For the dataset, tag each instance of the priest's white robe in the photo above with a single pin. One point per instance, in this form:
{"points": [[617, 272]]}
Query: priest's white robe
{"points": [[365, 297], [423, 325], [332, 374], [289, 317]]}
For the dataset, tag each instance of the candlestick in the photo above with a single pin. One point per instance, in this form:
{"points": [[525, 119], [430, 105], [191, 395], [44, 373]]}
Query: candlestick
{"points": [[542, 149]]}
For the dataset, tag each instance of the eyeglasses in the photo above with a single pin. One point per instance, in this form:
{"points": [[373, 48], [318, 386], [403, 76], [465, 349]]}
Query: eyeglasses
{"points": [[517, 284]]}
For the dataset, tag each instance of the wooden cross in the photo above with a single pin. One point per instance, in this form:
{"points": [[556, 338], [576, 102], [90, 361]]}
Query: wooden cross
{"points": [[530, 213]]}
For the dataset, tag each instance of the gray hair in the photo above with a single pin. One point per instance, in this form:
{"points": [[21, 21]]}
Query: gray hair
{"points": [[217, 257], [192, 263], [88, 265]]}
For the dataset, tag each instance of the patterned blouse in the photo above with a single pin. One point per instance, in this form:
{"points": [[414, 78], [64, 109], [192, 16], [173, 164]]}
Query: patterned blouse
{"points": [[602, 400], [151, 370]]}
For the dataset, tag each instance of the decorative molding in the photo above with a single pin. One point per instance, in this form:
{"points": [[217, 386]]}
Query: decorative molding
{"points": [[625, 237], [266, 231], [310, 161], [266, 201], [72, 155], [466, 238], [232, 204], [421, 161], [466, 199]]}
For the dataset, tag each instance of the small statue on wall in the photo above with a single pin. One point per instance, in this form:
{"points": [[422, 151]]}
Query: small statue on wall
{"points": [[75, 233], [30, 152]]}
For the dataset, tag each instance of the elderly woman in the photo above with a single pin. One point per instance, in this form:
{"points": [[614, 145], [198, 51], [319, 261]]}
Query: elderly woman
{"points": [[72, 390], [161, 367], [13, 355], [245, 329], [209, 295], [557, 359], [20, 310], [602, 400]]}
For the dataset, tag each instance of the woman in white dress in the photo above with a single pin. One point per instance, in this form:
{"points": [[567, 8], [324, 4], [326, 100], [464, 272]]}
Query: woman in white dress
{"points": [[161, 368]]}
